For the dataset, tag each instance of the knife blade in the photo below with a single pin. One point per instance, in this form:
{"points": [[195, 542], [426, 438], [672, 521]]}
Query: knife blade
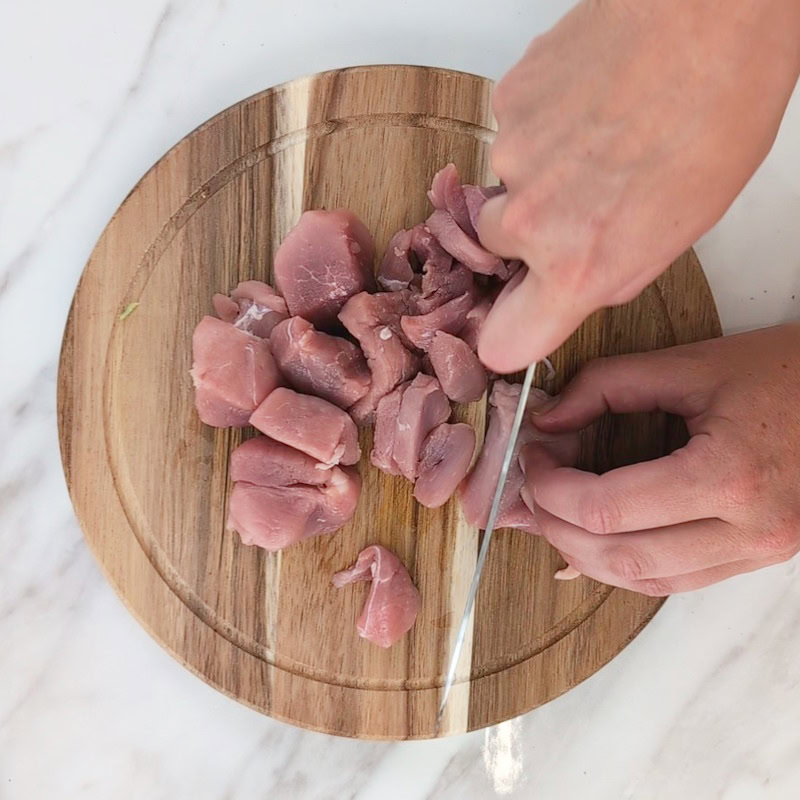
{"points": [[487, 537]]}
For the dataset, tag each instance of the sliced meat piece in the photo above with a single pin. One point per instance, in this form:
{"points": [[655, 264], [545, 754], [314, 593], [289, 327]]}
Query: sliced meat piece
{"points": [[476, 316], [396, 272], [374, 319], [382, 455], [447, 193], [393, 602], [264, 462], [428, 251], [253, 306], [327, 366], [309, 424], [444, 461], [478, 489], [232, 373], [440, 289], [462, 377], [464, 249], [324, 260], [276, 517], [475, 197], [449, 317], [423, 406]]}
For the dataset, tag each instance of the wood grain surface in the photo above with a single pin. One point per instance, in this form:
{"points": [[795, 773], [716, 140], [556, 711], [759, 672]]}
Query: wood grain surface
{"points": [[149, 481]]}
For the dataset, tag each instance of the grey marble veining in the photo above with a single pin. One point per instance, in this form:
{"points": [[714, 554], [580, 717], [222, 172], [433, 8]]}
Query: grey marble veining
{"points": [[704, 704]]}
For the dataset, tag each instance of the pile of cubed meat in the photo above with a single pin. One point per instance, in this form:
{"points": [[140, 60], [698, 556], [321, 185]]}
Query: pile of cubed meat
{"points": [[337, 347]]}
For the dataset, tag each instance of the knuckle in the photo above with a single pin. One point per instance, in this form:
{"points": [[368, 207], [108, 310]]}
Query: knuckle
{"points": [[598, 514], [743, 487], [782, 540], [627, 563]]}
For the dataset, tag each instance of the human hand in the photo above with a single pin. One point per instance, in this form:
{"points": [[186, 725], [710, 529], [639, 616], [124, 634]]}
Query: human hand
{"points": [[624, 133], [728, 502]]}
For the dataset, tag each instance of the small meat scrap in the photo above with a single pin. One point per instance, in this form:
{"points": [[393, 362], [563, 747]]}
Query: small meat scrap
{"points": [[276, 517], [330, 367], [444, 461], [265, 462], [463, 378], [324, 260], [463, 248], [309, 424], [396, 271], [393, 603], [374, 319], [232, 372], [478, 489], [401, 427], [450, 317], [253, 306]]}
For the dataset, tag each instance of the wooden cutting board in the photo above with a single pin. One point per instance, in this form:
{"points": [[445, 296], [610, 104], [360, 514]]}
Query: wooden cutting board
{"points": [[149, 482]]}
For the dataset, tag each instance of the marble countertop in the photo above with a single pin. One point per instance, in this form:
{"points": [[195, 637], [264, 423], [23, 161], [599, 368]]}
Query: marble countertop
{"points": [[705, 703]]}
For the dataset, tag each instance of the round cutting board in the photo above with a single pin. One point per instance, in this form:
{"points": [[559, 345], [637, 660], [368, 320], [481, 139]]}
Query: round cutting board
{"points": [[149, 481]]}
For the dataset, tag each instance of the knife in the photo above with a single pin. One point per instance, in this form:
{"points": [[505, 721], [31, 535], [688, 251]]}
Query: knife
{"points": [[487, 537]]}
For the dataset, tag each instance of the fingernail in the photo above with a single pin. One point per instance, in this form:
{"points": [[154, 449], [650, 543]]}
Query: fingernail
{"points": [[568, 573], [525, 494]]}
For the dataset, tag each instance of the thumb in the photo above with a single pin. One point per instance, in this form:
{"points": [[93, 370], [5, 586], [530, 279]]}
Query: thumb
{"points": [[491, 231], [528, 322]]}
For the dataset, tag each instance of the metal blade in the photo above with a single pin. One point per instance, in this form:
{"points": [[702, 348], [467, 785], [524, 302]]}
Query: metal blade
{"points": [[487, 536]]}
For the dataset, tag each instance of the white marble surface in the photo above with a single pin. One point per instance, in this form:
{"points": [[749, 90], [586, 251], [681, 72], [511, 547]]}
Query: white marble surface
{"points": [[704, 704]]}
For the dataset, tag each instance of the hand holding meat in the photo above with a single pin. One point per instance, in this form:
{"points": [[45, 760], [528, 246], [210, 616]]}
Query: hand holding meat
{"points": [[624, 134], [726, 503]]}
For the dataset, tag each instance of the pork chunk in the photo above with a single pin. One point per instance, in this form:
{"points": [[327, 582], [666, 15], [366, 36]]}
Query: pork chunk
{"points": [[232, 372], [314, 362], [374, 319], [277, 517], [309, 424], [463, 378], [444, 461], [478, 489], [253, 306], [323, 261], [393, 602]]}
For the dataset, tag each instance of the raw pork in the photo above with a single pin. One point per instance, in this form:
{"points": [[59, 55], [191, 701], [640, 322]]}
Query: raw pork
{"points": [[444, 460], [423, 405], [396, 271], [276, 517], [464, 249], [450, 317], [309, 424], [232, 373], [374, 319], [317, 363], [393, 602], [382, 455], [476, 316], [253, 306], [264, 462], [324, 260], [478, 489], [447, 194], [462, 377]]}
